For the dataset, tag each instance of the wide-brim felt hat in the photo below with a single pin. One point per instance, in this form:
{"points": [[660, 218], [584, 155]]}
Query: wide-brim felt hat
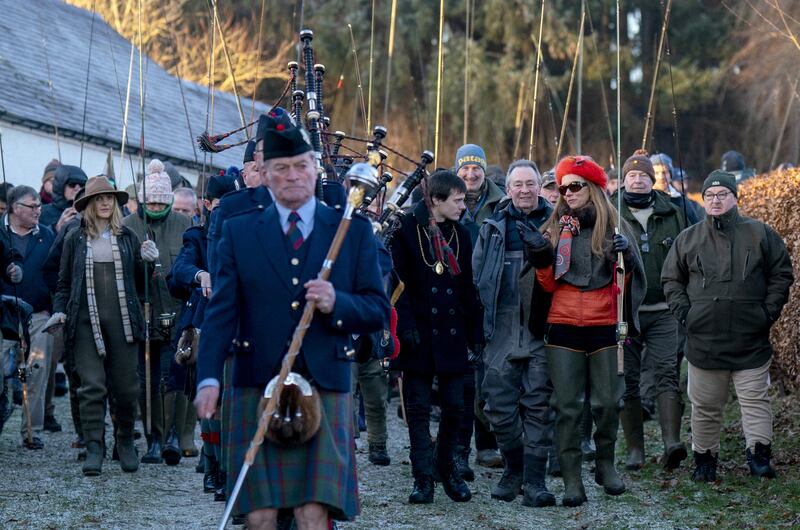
{"points": [[99, 186]]}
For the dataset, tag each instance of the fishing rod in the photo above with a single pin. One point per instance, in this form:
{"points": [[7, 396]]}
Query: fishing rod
{"points": [[360, 87], [371, 57], [622, 326], [532, 143], [390, 52], [147, 378], [258, 60], [578, 51], [86, 86], [606, 111], [49, 81], [439, 75], [675, 134], [650, 118], [231, 72]]}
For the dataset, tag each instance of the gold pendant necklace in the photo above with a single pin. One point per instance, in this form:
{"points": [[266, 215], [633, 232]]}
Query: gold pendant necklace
{"points": [[437, 266]]}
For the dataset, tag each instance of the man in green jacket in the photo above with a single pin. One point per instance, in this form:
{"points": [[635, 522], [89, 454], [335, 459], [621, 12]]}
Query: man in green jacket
{"points": [[165, 228], [656, 222], [482, 195], [726, 279]]}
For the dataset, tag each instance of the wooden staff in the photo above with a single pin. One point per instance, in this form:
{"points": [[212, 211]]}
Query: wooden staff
{"points": [[359, 186]]}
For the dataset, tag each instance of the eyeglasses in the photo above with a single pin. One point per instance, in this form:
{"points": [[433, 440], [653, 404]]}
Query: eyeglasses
{"points": [[721, 196], [35, 206], [574, 187]]}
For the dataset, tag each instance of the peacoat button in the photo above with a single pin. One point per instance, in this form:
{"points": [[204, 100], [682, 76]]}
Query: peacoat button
{"points": [[434, 290], [350, 354], [452, 331], [449, 291], [295, 281], [433, 310], [295, 305], [295, 262], [452, 311], [435, 332], [338, 323], [246, 344]]}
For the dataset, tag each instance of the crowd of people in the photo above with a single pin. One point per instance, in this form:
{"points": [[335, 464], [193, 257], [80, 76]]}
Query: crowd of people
{"points": [[494, 306]]}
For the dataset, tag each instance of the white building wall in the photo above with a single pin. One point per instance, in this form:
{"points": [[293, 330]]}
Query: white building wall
{"points": [[27, 152]]}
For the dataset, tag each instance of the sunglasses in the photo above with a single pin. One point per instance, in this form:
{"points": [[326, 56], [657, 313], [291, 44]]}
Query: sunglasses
{"points": [[574, 187]]}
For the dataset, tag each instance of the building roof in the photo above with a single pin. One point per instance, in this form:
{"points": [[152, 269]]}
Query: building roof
{"points": [[44, 40]]}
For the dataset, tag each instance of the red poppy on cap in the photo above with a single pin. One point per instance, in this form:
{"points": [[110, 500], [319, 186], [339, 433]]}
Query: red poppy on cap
{"points": [[279, 127], [583, 166]]}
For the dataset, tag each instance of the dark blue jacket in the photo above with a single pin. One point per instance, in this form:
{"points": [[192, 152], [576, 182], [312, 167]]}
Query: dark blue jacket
{"points": [[231, 204], [254, 290], [181, 279], [33, 288]]}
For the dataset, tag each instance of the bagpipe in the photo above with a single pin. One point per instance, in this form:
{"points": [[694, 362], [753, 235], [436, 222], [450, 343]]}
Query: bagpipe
{"points": [[335, 152]]}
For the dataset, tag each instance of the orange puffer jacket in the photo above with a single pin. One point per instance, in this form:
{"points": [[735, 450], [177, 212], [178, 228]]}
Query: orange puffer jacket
{"points": [[575, 307]]}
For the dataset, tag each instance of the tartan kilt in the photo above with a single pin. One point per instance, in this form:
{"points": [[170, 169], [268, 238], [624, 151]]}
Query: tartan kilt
{"points": [[321, 471]]}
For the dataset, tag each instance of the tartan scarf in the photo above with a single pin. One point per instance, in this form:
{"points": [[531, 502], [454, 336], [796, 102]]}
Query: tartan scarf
{"points": [[569, 227], [92, 299]]}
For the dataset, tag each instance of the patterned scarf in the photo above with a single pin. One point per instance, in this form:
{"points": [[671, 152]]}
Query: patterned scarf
{"points": [[570, 227], [92, 299]]}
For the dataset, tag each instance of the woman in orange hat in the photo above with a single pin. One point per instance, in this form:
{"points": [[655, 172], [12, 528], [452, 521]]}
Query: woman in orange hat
{"points": [[575, 261]]}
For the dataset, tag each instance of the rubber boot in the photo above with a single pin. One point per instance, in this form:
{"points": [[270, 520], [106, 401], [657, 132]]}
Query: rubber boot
{"points": [[462, 463], [669, 415], [705, 467], [210, 476], [452, 482], [510, 483], [156, 437], [758, 460], [587, 444], [607, 389], [535, 492], [123, 441], [568, 374], [93, 465], [171, 451], [188, 448], [631, 419], [423, 491]]}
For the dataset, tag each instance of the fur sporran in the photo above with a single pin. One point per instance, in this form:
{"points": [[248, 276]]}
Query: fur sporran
{"points": [[298, 412], [186, 353]]}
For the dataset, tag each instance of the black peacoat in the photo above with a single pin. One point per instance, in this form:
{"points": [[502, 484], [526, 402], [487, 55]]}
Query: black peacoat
{"points": [[443, 309]]}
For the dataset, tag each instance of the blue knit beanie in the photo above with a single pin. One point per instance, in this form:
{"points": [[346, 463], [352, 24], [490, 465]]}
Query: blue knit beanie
{"points": [[470, 154]]}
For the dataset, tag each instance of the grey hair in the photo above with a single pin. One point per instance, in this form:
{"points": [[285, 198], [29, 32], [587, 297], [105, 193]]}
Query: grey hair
{"points": [[186, 192], [17, 193], [524, 163]]}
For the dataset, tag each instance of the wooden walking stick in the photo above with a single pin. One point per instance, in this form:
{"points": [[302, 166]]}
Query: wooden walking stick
{"points": [[363, 178]]}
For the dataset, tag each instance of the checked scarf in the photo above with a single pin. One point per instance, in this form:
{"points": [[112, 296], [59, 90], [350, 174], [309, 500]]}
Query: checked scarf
{"points": [[570, 227], [94, 317]]}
